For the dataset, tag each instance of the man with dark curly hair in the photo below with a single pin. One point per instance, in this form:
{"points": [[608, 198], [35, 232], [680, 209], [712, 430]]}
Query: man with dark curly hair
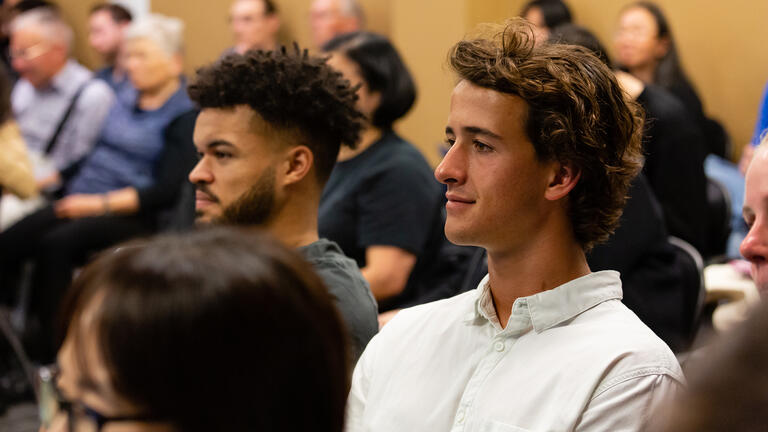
{"points": [[543, 147], [268, 134]]}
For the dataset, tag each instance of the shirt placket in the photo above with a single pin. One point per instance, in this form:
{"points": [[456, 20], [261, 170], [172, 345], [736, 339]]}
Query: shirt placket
{"points": [[500, 344]]}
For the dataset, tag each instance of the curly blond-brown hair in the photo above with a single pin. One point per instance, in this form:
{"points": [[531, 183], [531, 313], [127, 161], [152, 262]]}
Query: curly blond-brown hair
{"points": [[577, 115]]}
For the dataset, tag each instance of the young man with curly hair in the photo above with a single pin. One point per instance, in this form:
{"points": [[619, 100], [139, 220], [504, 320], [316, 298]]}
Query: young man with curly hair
{"points": [[543, 147], [268, 134]]}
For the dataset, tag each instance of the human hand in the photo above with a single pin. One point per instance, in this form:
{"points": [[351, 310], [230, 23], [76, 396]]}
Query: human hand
{"points": [[79, 206]]}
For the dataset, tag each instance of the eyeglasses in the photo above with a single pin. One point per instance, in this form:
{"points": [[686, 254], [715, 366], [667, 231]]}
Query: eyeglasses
{"points": [[56, 410], [30, 53]]}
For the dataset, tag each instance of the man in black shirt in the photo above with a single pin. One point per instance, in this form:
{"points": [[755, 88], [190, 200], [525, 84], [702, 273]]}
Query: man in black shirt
{"points": [[268, 134]]}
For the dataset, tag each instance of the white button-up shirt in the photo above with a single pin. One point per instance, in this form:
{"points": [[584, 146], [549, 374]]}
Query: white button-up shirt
{"points": [[570, 359]]}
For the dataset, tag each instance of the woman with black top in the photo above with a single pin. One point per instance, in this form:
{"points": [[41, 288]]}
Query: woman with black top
{"points": [[381, 204], [646, 49]]}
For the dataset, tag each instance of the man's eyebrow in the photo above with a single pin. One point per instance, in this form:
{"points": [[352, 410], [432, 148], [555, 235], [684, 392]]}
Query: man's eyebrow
{"points": [[219, 143], [474, 130]]}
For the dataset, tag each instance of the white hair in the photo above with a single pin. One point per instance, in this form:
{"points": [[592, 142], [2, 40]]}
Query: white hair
{"points": [[353, 8], [49, 23], [167, 32]]}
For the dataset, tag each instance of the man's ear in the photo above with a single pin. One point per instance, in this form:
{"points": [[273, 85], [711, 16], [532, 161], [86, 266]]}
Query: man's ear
{"points": [[562, 180], [297, 164]]}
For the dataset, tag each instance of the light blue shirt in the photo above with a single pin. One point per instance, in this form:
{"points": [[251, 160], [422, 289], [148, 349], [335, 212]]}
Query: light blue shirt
{"points": [[39, 112]]}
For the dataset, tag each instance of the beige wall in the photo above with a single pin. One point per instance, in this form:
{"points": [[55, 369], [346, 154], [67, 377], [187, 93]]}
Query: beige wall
{"points": [[721, 46]]}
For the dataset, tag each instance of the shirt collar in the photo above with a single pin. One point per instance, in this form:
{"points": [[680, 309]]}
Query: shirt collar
{"points": [[552, 307], [65, 79]]}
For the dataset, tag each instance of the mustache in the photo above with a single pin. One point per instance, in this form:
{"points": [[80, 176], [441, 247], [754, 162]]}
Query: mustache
{"points": [[203, 188]]}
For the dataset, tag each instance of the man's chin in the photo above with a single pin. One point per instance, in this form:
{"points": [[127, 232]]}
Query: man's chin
{"points": [[202, 218]]}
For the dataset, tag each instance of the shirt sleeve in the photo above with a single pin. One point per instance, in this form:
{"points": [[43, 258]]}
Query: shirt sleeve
{"points": [[85, 123], [174, 164], [627, 405], [358, 393], [398, 208]]}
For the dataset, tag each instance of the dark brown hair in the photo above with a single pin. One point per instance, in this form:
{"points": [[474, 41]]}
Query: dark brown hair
{"points": [[293, 92], [215, 330], [119, 14], [577, 114]]}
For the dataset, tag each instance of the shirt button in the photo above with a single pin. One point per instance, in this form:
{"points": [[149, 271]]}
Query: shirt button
{"points": [[460, 417], [499, 346]]}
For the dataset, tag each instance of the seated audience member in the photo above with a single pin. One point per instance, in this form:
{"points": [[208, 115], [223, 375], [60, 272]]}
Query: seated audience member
{"points": [[652, 278], [530, 146], [673, 139], [134, 172], [254, 25], [106, 25], [9, 9], [330, 18], [58, 105], [546, 15], [16, 175], [267, 143], [755, 244], [382, 204], [210, 331], [727, 392], [645, 48]]}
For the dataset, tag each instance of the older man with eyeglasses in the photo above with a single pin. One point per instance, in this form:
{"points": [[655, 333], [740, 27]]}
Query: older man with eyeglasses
{"points": [[59, 107]]}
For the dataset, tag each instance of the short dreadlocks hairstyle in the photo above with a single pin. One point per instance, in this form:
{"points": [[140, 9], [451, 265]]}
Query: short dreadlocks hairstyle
{"points": [[577, 114], [299, 96]]}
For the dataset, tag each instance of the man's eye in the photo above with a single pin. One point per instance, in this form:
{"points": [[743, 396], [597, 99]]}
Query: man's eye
{"points": [[481, 146], [450, 141], [222, 155]]}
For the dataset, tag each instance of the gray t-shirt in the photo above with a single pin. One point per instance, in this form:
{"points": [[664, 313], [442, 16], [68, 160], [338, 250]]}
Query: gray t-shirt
{"points": [[345, 283]]}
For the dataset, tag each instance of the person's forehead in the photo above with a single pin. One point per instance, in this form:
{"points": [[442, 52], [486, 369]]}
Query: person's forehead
{"points": [[102, 17], [757, 174], [326, 5], [486, 108], [28, 35], [247, 7], [240, 126]]}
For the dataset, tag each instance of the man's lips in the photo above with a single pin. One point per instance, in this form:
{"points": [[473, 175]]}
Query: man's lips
{"points": [[458, 199], [204, 198], [457, 202]]}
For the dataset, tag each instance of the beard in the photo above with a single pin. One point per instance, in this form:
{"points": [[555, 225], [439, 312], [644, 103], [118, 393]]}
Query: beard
{"points": [[255, 206]]}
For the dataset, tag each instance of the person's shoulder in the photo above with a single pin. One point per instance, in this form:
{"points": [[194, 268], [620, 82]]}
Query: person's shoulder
{"points": [[96, 91], [617, 335], [338, 271], [401, 151], [661, 105], [437, 316]]}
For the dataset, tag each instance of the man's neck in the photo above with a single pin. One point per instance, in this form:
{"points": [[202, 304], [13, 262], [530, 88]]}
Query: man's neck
{"points": [[266, 46], [155, 98], [645, 73], [295, 223], [549, 262], [369, 136], [49, 83]]}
